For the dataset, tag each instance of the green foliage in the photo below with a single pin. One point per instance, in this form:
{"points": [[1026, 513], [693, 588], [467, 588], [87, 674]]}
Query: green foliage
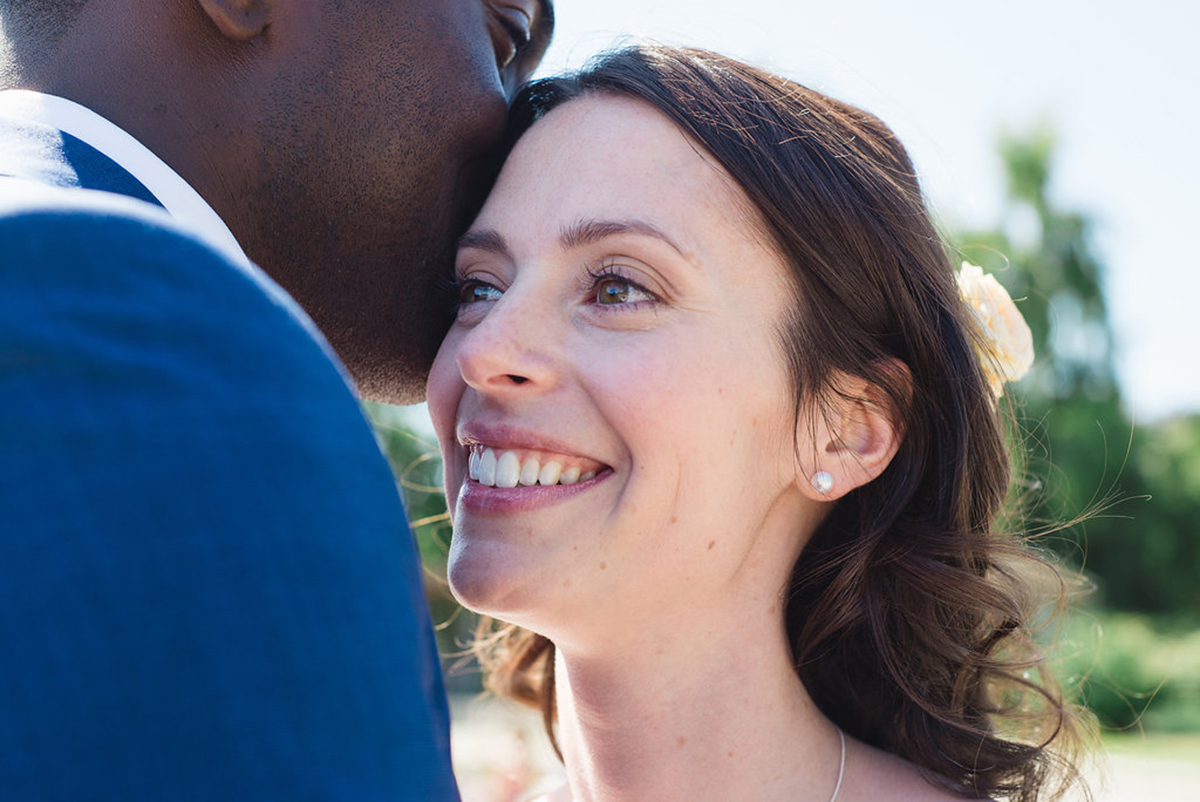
{"points": [[415, 461], [1164, 537], [1085, 457], [1043, 256], [1133, 672]]}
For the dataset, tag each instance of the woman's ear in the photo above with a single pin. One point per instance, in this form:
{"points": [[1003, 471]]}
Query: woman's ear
{"points": [[856, 435], [240, 20]]}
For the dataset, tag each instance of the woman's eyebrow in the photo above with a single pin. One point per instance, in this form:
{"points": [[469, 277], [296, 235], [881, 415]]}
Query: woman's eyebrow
{"points": [[585, 232], [485, 239], [578, 234]]}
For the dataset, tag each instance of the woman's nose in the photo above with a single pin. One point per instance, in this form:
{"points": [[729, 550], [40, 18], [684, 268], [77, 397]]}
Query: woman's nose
{"points": [[510, 351]]}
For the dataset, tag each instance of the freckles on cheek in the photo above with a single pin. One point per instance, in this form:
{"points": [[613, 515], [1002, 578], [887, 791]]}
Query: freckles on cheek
{"points": [[656, 368], [634, 388]]}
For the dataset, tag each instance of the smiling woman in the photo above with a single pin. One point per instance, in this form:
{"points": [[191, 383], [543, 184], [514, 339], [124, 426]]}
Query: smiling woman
{"points": [[716, 437]]}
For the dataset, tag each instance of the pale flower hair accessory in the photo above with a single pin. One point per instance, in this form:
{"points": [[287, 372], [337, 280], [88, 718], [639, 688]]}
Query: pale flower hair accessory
{"points": [[1006, 345]]}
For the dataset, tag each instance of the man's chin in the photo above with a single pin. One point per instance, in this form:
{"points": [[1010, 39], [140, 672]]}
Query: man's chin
{"points": [[389, 361], [397, 381]]}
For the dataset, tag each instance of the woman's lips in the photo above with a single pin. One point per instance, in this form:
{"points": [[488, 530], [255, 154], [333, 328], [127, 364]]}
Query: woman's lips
{"points": [[512, 468], [490, 499]]}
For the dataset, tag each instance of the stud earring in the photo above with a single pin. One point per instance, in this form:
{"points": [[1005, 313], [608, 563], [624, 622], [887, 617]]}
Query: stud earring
{"points": [[822, 482]]}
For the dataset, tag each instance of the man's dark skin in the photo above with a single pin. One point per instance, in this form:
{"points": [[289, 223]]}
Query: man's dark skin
{"points": [[341, 142]]}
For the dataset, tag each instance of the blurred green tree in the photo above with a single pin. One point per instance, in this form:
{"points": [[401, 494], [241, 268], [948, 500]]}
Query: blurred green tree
{"points": [[1135, 485], [414, 458]]}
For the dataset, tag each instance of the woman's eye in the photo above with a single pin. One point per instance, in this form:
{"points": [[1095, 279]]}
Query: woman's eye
{"points": [[470, 292], [614, 290]]}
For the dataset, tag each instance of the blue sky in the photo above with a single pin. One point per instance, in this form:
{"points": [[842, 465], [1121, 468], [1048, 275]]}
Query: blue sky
{"points": [[1121, 85]]}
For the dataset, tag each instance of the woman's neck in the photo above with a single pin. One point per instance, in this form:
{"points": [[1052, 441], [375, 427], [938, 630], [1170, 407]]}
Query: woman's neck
{"points": [[719, 715]]}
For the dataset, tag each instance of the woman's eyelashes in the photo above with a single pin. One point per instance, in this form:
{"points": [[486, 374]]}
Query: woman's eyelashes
{"points": [[607, 287], [472, 291], [611, 288]]}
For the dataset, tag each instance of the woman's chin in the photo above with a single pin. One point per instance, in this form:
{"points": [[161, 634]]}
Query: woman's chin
{"points": [[486, 579]]}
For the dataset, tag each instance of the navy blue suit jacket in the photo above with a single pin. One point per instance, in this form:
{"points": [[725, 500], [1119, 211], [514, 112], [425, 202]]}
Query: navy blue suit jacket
{"points": [[207, 586]]}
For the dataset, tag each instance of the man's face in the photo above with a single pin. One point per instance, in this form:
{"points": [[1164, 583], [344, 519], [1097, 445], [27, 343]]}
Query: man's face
{"points": [[375, 128]]}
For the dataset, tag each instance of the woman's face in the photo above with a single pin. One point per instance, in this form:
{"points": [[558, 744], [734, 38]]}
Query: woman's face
{"points": [[612, 403]]}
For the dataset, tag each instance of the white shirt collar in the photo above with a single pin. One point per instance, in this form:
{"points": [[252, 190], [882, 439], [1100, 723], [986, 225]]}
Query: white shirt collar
{"points": [[175, 194]]}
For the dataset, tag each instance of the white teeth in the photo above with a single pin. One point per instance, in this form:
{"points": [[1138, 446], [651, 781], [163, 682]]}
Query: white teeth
{"points": [[549, 473], [487, 468], [508, 470], [529, 472]]}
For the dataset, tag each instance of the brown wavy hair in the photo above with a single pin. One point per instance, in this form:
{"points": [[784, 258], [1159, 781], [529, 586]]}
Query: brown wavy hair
{"points": [[909, 611]]}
